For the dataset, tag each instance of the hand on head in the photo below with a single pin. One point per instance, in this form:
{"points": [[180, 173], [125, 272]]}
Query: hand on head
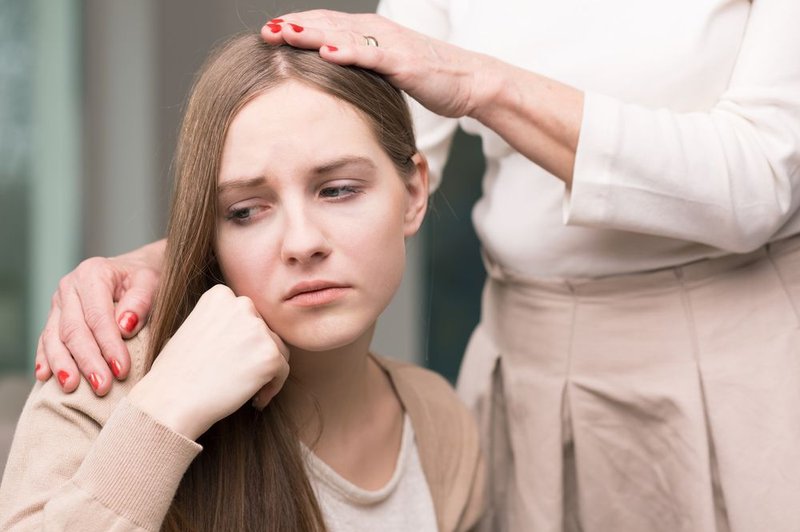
{"points": [[446, 79]]}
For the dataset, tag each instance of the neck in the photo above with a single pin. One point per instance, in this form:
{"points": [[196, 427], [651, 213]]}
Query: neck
{"points": [[333, 389]]}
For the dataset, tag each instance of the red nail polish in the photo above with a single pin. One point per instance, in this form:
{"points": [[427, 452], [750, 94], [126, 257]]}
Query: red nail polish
{"points": [[296, 28], [274, 28], [128, 321], [276, 20], [62, 377], [94, 380], [116, 369], [331, 48]]}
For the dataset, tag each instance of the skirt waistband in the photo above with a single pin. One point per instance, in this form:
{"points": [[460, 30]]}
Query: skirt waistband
{"points": [[692, 272]]}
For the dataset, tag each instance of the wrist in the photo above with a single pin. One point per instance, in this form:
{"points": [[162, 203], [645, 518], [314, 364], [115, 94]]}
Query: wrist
{"points": [[489, 86], [165, 410]]}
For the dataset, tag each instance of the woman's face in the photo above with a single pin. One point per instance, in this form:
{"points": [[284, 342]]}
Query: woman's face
{"points": [[313, 216]]}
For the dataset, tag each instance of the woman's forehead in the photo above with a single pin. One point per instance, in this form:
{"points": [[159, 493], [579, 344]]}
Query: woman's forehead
{"points": [[294, 125]]}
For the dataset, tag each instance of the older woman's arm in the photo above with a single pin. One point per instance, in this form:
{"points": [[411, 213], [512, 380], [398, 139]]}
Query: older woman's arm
{"points": [[727, 176]]}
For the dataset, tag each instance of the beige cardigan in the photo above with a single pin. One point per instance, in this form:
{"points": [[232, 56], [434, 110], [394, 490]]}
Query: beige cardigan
{"points": [[83, 463]]}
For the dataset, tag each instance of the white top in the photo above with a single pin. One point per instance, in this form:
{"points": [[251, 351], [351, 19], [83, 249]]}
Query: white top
{"points": [[690, 141], [403, 504]]}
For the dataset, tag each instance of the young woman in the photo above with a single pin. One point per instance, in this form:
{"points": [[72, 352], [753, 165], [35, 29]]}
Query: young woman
{"points": [[297, 182]]}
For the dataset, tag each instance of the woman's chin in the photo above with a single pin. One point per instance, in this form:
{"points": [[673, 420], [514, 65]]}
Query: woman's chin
{"points": [[320, 340]]}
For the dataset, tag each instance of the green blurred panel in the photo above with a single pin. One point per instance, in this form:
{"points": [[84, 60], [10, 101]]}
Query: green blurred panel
{"points": [[39, 165], [16, 66], [455, 272]]}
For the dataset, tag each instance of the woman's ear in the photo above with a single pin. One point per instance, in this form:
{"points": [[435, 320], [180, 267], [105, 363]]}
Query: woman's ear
{"points": [[416, 195]]}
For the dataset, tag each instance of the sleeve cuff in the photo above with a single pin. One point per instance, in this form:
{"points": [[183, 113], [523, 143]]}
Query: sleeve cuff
{"points": [[136, 465], [587, 201]]}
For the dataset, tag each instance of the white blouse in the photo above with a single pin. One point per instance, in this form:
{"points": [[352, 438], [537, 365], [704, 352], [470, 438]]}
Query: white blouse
{"points": [[690, 141]]}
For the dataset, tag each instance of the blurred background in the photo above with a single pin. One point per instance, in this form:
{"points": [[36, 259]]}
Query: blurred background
{"points": [[91, 94]]}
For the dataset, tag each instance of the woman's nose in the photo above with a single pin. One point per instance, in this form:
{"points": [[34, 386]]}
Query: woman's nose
{"points": [[304, 240]]}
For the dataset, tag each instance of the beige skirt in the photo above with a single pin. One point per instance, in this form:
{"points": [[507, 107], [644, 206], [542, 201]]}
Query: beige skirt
{"points": [[665, 401]]}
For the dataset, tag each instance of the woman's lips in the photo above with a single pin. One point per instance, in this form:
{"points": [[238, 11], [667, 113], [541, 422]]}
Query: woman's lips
{"points": [[310, 294], [318, 297]]}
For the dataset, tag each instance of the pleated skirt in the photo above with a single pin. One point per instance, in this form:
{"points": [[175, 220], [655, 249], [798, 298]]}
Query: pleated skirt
{"points": [[664, 401]]}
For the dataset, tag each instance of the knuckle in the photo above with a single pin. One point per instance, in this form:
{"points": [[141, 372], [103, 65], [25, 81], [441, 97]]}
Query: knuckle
{"points": [[219, 290], [278, 362], [95, 318], [147, 279], [245, 303], [92, 264], [70, 333], [137, 299], [211, 294], [65, 284]]}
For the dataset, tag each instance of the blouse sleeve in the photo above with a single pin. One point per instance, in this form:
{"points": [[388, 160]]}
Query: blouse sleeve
{"points": [[728, 177], [434, 133], [83, 463]]}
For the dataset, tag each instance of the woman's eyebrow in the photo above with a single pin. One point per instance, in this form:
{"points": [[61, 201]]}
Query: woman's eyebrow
{"points": [[232, 184], [350, 162]]}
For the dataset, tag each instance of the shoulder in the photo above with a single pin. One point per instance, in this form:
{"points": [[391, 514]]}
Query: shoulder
{"points": [[48, 396], [426, 394], [447, 441], [137, 349]]}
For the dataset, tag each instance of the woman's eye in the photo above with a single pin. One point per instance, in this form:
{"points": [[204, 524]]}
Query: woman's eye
{"points": [[241, 215], [339, 192]]}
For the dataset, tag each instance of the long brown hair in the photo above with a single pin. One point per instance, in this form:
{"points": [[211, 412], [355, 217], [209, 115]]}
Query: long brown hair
{"points": [[250, 475]]}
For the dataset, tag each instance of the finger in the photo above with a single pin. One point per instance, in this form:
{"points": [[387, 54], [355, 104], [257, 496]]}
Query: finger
{"points": [[369, 57], [308, 38], [134, 306], [58, 357], [326, 18], [271, 389], [311, 32], [336, 46], [263, 397], [96, 307], [77, 342], [283, 349], [314, 17], [42, 369]]}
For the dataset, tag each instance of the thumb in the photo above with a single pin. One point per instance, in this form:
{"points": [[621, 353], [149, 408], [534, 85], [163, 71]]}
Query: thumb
{"points": [[134, 306], [267, 392]]}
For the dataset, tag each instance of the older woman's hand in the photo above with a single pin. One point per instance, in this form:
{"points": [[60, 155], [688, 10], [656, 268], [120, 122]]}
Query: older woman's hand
{"points": [[85, 330], [537, 116], [446, 79]]}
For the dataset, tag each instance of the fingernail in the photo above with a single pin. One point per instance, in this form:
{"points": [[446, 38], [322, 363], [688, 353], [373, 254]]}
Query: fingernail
{"points": [[37, 368], [276, 20], [296, 28], [274, 28], [116, 368], [95, 380], [62, 377], [331, 48], [128, 321]]}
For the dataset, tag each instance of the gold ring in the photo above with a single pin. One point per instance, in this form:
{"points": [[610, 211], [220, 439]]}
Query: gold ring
{"points": [[369, 40]]}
